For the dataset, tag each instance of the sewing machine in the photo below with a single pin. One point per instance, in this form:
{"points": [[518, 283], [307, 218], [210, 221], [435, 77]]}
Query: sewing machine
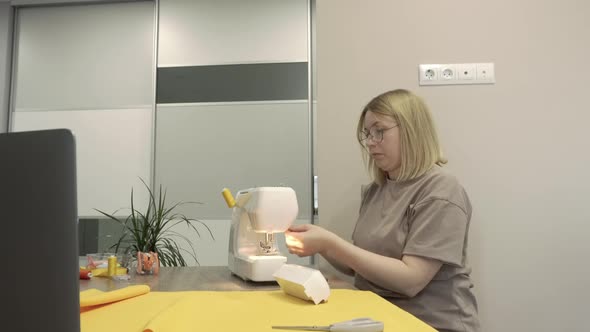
{"points": [[258, 215]]}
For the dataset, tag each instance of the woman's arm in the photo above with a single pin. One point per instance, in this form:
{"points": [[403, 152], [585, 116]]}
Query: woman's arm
{"points": [[340, 267], [407, 276]]}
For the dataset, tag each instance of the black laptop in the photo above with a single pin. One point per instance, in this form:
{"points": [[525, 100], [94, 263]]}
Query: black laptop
{"points": [[38, 232]]}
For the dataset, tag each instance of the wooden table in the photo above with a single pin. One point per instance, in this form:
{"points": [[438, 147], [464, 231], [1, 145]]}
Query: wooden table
{"points": [[211, 278]]}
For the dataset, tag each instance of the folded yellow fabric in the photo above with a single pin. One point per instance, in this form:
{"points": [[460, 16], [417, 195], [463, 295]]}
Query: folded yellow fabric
{"points": [[130, 315], [92, 297], [103, 272], [243, 311]]}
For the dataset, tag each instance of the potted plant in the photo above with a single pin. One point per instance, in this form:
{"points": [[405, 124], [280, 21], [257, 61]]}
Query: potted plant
{"points": [[152, 230]]}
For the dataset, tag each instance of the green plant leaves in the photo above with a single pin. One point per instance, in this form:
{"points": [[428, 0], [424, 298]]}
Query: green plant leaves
{"points": [[152, 230]]}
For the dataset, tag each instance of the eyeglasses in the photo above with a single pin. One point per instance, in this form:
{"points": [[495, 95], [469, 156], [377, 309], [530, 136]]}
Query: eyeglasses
{"points": [[375, 134]]}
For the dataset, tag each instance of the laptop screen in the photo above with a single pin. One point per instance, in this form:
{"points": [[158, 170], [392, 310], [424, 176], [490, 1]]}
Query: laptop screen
{"points": [[38, 227]]}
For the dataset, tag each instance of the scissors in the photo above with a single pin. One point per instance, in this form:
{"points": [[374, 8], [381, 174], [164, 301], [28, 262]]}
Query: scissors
{"points": [[354, 325]]}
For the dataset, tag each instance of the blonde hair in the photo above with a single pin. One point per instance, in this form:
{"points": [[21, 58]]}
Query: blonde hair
{"points": [[420, 148]]}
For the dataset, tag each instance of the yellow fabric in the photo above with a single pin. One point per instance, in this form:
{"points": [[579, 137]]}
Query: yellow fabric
{"points": [[92, 297], [103, 272], [242, 311]]}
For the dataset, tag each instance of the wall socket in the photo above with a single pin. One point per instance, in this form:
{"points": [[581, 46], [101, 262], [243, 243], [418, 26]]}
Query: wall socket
{"points": [[456, 73], [448, 72]]}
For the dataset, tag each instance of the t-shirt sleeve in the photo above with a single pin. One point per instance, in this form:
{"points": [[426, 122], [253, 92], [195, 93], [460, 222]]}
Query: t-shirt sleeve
{"points": [[437, 230]]}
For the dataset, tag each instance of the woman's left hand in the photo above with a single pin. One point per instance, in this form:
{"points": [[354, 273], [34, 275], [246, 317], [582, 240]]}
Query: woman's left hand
{"points": [[306, 240]]}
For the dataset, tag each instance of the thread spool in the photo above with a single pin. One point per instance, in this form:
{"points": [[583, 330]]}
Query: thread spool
{"points": [[112, 266], [229, 198]]}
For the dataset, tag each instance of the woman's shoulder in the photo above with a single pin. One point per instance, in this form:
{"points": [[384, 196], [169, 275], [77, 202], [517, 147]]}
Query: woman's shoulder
{"points": [[440, 184], [438, 177]]}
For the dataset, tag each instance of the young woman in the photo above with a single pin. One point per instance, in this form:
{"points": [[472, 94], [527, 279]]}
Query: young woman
{"points": [[410, 240]]}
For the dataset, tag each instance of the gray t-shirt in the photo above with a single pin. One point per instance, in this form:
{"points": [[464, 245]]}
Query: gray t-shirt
{"points": [[428, 217]]}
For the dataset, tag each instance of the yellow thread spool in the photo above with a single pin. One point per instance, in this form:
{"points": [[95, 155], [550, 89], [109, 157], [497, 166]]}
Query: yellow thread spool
{"points": [[229, 199], [112, 266]]}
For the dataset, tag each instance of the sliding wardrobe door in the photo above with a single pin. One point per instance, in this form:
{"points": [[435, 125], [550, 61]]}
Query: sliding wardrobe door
{"points": [[89, 68], [233, 107]]}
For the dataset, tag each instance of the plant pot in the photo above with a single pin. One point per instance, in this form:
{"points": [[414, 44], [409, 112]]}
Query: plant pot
{"points": [[147, 263]]}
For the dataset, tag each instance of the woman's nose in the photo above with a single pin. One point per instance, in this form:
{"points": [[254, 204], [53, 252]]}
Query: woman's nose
{"points": [[370, 142]]}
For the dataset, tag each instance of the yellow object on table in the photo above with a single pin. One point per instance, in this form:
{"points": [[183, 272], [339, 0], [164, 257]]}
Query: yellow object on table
{"points": [[242, 311], [93, 297], [104, 272]]}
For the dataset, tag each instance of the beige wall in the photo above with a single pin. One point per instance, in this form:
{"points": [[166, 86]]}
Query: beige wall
{"points": [[520, 146]]}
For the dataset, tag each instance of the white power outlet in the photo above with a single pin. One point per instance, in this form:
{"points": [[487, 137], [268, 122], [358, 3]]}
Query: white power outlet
{"points": [[428, 73], [448, 72], [458, 73]]}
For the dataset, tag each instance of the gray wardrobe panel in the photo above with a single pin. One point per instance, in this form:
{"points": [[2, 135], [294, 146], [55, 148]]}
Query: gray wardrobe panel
{"points": [[201, 149], [241, 82], [212, 32], [97, 56]]}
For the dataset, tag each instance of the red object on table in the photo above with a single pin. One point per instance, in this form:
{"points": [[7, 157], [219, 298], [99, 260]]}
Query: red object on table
{"points": [[85, 274]]}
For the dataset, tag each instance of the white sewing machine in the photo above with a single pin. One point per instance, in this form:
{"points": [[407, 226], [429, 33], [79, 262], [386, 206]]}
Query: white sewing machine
{"points": [[258, 214]]}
